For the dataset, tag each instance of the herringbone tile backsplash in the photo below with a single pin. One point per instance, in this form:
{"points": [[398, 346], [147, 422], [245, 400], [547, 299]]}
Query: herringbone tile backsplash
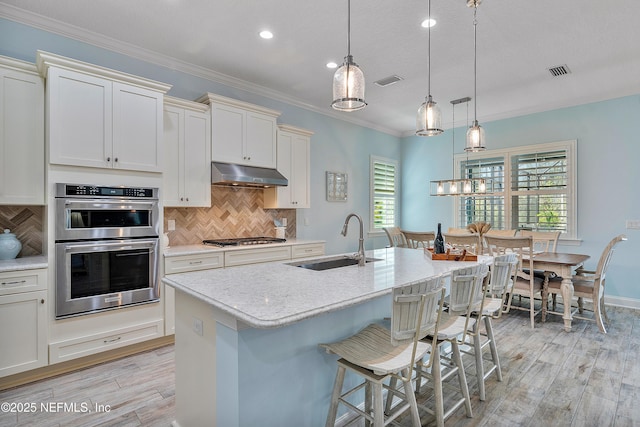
{"points": [[234, 212], [26, 223]]}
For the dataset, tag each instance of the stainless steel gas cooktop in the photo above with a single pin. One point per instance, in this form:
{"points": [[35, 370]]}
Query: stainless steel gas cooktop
{"points": [[243, 241]]}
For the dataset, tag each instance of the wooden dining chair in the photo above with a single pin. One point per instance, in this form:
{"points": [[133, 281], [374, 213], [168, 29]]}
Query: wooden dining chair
{"points": [[589, 284], [454, 230], [419, 239], [543, 241], [469, 241], [466, 297], [496, 295], [377, 354], [525, 284], [495, 233], [396, 238]]}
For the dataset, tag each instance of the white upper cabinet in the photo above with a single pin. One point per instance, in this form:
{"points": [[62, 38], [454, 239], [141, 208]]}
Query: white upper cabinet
{"points": [[294, 147], [187, 149], [21, 134], [102, 118], [242, 133]]}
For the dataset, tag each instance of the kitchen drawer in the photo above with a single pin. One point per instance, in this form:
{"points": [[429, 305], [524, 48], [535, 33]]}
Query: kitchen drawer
{"points": [[304, 251], [91, 344], [253, 256], [184, 263], [14, 282]]}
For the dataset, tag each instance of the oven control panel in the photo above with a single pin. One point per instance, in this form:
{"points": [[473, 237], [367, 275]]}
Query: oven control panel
{"points": [[75, 190]]}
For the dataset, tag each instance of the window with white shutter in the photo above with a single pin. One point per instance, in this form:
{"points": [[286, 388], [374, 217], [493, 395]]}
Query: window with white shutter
{"points": [[534, 188], [384, 200]]}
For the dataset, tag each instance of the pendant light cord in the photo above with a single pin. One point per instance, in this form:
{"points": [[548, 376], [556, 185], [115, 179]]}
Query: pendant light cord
{"points": [[475, 65], [429, 48], [348, 27], [453, 141]]}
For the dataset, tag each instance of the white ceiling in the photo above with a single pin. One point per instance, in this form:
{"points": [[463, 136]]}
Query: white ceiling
{"points": [[518, 40]]}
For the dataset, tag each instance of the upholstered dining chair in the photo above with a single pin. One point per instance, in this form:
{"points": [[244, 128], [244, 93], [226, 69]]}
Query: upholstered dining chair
{"points": [[525, 282], [469, 241], [396, 238], [419, 239], [377, 354], [589, 284]]}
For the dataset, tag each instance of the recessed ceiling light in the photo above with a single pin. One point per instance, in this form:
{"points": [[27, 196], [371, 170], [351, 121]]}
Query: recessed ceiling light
{"points": [[428, 23], [332, 65], [266, 34]]}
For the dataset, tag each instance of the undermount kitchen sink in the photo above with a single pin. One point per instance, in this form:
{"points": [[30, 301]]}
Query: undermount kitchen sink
{"points": [[329, 263]]}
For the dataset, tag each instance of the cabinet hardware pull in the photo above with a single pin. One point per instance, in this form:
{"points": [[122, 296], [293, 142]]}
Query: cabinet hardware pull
{"points": [[15, 282], [195, 262], [108, 159], [115, 160], [182, 199], [113, 340], [42, 301]]}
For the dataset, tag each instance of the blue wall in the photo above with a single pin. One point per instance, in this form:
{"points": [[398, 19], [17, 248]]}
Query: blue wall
{"points": [[608, 175], [608, 155]]}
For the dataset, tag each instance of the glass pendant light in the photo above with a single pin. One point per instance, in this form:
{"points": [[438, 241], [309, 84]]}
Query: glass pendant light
{"points": [[475, 134], [429, 118], [348, 80]]}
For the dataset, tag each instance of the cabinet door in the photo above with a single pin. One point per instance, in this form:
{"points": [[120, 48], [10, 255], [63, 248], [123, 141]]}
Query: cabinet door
{"points": [[23, 337], [284, 194], [227, 134], [172, 177], [260, 148], [79, 119], [300, 164], [197, 152], [21, 138], [137, 128]]}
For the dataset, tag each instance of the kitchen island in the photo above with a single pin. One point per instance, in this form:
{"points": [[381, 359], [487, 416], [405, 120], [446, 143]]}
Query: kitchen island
{"points": [[247, 337]]}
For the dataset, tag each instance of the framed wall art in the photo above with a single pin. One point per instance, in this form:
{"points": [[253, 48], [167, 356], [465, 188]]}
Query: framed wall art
{"points": [[336, 187]]}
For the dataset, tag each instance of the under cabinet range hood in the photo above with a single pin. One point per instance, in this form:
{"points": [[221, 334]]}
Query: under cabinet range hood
{"points": [[246, 176]]}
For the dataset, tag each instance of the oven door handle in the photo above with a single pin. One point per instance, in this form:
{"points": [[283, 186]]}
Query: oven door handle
{"points": [[149, 244], [102, 204]]}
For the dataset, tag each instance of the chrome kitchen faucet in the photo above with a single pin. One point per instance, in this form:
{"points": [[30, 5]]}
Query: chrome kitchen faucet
{"points": [[360, 256]]}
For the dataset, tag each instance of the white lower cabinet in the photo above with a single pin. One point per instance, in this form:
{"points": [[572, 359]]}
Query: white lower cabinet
{"points": [[87, 345], [23, 321], [193, 262], [307, 250], [254, 256]]}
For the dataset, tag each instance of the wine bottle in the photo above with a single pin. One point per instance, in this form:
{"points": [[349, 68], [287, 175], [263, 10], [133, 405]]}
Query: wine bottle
{"points": [[438, 243]]}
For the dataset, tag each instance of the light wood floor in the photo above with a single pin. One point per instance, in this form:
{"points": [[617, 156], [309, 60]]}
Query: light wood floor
{"points": [[551, 378]]}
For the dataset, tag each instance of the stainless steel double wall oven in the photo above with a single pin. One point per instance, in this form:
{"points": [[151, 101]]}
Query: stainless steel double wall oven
{"points": [[106, 247]]}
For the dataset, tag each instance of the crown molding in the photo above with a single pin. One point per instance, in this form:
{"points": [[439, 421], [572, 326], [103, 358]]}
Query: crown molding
{"points": [[57, 27]]}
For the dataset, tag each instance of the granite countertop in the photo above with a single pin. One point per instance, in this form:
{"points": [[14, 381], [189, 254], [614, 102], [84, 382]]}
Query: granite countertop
{"points": [[277, 294], [201, 248], [25, 263]]}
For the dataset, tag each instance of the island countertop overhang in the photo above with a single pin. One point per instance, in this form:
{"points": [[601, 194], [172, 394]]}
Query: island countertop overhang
{"points": [[278, 294]]}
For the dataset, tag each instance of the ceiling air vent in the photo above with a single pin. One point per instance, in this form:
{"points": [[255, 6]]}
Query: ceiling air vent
{"points": [[560, 70], [388, 81]]}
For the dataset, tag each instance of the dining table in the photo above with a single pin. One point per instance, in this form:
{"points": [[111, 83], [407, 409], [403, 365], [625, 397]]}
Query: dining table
{"points": [[562, 264]]}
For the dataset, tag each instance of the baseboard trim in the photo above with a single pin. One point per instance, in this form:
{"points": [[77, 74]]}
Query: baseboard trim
{"points": [[622, 302], [49, 371]]}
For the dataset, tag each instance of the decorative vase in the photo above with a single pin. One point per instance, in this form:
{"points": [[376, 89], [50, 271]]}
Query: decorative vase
{"points": [[10, 246]]}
